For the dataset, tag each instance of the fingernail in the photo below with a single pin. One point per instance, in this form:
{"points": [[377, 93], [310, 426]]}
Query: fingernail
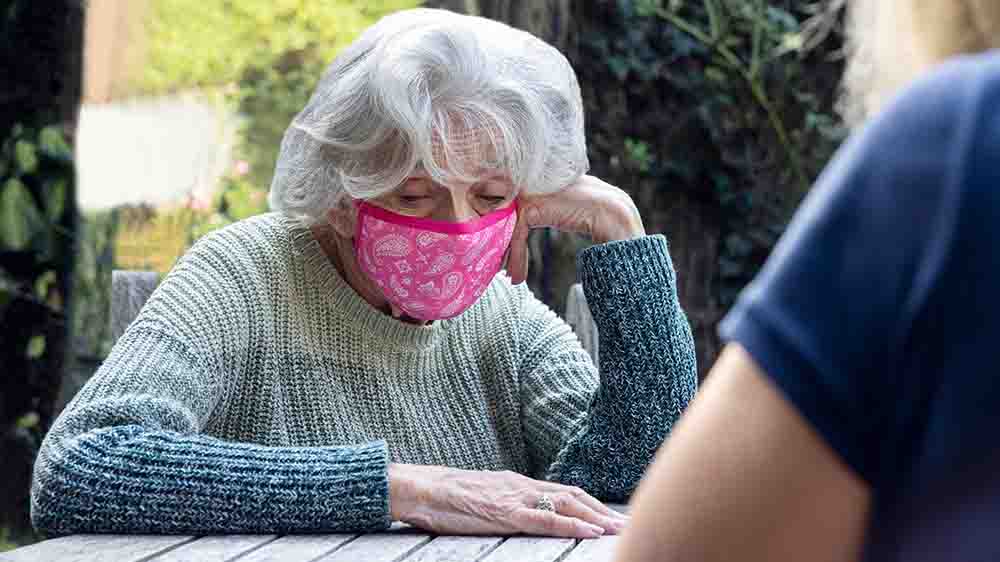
{"points": [[597, 530]]}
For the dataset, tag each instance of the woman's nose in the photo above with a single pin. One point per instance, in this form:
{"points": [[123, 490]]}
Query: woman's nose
{"points": [[457, 209]]}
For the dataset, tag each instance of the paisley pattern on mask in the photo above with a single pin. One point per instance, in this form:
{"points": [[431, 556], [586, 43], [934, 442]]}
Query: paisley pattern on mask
{"points": [[427, 274]]}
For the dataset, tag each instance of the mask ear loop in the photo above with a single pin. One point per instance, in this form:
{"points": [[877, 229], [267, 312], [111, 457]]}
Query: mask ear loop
{"points": [[357, 224], [516, 203]]}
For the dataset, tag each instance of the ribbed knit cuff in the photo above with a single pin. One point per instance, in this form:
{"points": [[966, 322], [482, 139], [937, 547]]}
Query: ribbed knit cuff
{"points": [[626, 271]]}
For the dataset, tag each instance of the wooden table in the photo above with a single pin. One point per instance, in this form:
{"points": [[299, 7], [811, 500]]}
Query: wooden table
{"points": [[400, 544]]}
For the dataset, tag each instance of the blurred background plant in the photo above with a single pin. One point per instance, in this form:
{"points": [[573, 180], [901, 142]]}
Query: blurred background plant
{"points": [[40, 45], [715, 115], [256, 59], [724, 115]]}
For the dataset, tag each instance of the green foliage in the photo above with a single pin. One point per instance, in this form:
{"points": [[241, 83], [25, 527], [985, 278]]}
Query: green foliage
{"points": [[729, 102], [92, 284], [6, 541], [36, 255], [638, 154], [198, 43], [27, 220], [37, 169], [263, 58]]}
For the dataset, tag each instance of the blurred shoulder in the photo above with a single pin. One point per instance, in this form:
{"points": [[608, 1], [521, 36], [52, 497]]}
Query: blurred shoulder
{"points": [[959, 97], [951, 116]]}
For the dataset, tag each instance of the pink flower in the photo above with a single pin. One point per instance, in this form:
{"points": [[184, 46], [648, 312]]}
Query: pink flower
{"points": [[198, 202], [241, 168]]}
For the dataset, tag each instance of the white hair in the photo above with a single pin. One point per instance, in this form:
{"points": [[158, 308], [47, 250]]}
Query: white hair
{"points": [[451, 94]]}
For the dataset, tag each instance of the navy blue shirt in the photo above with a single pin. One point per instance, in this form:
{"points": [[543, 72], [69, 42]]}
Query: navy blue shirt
{"points": [[878, 314]]}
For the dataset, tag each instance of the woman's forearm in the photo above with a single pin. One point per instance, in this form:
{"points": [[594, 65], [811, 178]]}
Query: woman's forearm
{"points": [[648, 371], [129, 479]]}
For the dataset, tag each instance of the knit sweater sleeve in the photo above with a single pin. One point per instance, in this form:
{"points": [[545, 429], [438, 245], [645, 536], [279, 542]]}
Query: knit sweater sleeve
{"points": [[648, 373], [129, 454]]}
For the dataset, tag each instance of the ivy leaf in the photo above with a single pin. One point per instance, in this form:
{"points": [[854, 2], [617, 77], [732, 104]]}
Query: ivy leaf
{"points": [[20, 219], [28, 421], [618, 67], [646, 8], [55, 199], [43, 283], [790, 43], [715, 74], [784, 20], [53, 144], [26, 156], [36, 347]]}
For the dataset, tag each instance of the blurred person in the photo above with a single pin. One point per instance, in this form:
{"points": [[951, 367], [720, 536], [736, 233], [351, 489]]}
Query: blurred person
{"points": [[854, 412], [355, 358]]}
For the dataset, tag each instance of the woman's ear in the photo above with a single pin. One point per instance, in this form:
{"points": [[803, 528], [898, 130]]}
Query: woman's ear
{"points": [[343, 217]]}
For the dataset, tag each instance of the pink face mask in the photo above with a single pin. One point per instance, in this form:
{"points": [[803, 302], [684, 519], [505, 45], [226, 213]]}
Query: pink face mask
{"points": [[429, 269]]}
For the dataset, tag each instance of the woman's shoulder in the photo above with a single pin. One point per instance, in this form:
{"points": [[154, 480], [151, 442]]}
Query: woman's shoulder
{"points": [[259, 231], [961, 95], [249, 242], [940, 136], [251, 253], [932, 143]]}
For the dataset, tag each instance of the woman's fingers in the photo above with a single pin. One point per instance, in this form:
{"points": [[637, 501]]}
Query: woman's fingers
{"points": [[599, 506], [594, 503], [547, 523], [568, 505]]}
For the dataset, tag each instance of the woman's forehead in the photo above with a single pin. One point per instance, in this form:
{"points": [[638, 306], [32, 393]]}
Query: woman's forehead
{"points": [[483, 174]]}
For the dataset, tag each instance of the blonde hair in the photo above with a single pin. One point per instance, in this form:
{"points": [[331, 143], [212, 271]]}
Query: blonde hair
{"points": [[891, 42]]}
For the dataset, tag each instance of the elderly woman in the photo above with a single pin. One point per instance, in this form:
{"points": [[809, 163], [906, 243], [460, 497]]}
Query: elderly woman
{"points": [[356, 358], [855, 411]]}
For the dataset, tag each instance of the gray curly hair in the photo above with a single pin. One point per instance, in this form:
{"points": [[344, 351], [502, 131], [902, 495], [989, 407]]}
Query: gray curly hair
{"points": [[455, 96]]}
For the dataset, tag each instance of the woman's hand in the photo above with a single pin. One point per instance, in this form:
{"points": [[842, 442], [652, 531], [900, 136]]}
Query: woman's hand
{"points": [[463, 502], [589, 206]]}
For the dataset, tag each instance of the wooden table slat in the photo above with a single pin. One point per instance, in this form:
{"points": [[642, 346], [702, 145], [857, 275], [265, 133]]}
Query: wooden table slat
{"points": [[594, 550], [455, 549], [216, 548], [97, 548], [298, 548], [381, 547], [530, 549], [399, 542]]}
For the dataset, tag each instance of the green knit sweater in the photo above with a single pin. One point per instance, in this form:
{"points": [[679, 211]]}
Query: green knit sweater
{"points": [[257, 392]]}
